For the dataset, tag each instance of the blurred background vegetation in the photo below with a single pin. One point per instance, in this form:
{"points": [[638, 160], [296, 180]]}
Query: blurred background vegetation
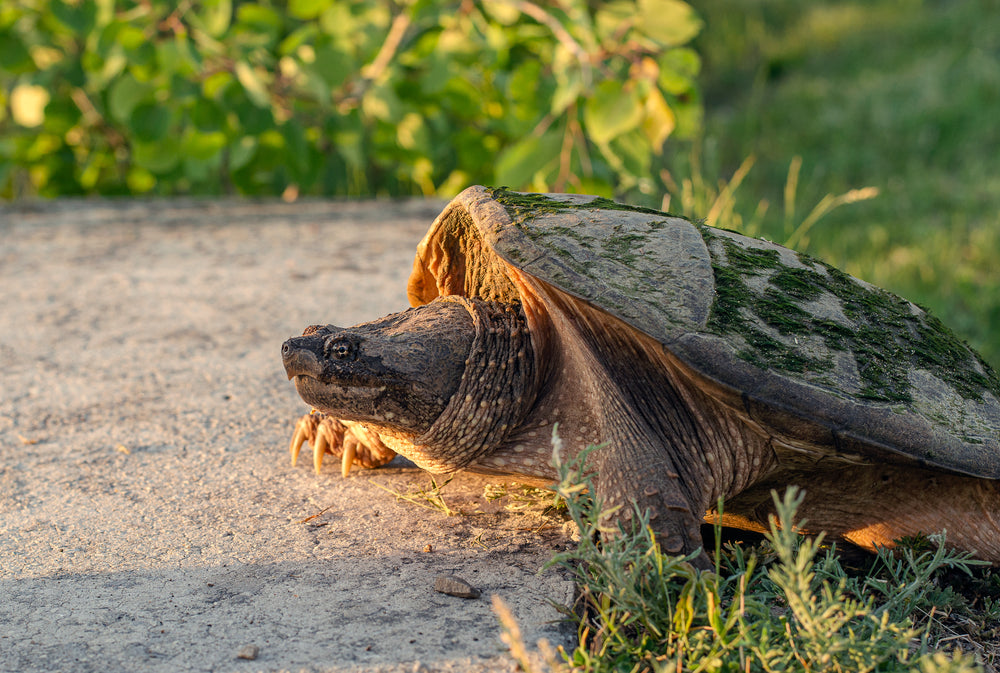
{"points": [[745, 112]]}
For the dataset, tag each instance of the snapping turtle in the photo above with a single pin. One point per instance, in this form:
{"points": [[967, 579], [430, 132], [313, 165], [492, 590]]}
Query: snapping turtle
{"points": [[711, 364]]}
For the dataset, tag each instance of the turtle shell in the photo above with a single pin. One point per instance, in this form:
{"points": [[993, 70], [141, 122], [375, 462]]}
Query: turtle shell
{"points": [[813, 354]]}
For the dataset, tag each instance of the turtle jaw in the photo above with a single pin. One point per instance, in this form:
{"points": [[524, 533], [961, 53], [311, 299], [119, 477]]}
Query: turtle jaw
{"points": [[330, 398]]}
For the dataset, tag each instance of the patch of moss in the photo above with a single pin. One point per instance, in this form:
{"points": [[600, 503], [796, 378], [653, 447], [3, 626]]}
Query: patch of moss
{"points": [[762, 350], [885, 336], [801, 284], [621, 247], [519, 204]]}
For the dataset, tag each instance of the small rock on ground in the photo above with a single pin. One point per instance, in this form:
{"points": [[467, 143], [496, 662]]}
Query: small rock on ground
{"points": [[248, 652], [455, 586]]}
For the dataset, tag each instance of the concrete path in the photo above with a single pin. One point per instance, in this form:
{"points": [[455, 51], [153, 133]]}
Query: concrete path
{"points": [[150, 519]]}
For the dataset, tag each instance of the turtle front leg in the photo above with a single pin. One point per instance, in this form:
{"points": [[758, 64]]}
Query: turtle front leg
{"points": [[634, 480], [353, 443]]}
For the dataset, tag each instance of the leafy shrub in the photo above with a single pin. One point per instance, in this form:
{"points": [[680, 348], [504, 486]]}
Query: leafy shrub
{"points": [[340, 97]]}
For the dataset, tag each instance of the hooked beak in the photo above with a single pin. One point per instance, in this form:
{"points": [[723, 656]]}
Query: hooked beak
{"points": [[298, 354]]}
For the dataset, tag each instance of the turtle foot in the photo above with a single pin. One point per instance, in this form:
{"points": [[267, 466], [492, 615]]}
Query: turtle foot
{"points": [[353, 443]]}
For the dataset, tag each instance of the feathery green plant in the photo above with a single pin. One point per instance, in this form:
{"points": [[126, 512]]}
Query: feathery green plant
{"points": [[641, 610]]}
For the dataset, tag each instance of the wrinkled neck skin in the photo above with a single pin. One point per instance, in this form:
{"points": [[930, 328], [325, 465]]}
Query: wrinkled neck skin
{"points": [[495, 391], [442, 383]]}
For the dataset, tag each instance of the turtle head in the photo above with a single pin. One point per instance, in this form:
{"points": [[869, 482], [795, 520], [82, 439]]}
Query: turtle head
{"points": [[397, 372]]}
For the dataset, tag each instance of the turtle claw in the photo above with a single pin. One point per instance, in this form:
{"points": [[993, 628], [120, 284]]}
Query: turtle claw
{"points": [[350, 452], [298, 439], [320, 445], [351, 442]]}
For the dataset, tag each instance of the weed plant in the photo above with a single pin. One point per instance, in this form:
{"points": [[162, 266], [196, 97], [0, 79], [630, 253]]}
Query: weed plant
{"points": [[788, 604]]}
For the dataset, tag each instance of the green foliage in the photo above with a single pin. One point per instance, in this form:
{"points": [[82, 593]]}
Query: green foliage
{"points": [[340, 98], [787, 606]]}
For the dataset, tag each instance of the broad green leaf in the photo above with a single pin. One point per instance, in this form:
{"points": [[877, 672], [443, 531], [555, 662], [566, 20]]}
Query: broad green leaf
{"points": [[381, 102], [522, 87], [257, 25], [252, 83], [76, 18], [307, 9], [202, 146], [129, 37], [518, 165], [140, 180], [241, 152], [14, 56], [124, 95], [114, 64], [156, 157], [61, 114], [214, 16], [567, 93], [436, 75], [207, 115], [670, 22], [213, 85], [332, 65], [201, 172], [610, 17], [150, 122], [338, 22], [175, 56], [259, 16], [613, 109], [689, 112], [679, 69], [304, 36], [634, 152]]}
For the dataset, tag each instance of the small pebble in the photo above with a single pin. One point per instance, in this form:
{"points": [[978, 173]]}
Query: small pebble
{"points": [[455, 586], [248, 652]]}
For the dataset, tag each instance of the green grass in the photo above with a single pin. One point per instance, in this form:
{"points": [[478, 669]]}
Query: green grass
{"points": [[788, 604], [898, 95]]}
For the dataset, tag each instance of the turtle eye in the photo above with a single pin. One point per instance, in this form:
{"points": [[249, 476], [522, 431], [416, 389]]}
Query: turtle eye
{"points": [[341, 349]]}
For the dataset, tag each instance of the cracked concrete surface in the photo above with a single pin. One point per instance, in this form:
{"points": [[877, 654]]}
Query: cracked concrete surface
{"points": [[149, 517]]}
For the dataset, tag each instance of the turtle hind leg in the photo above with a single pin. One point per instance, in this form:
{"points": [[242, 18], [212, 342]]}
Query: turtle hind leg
{"points": [[876, 505], [351, 442]]}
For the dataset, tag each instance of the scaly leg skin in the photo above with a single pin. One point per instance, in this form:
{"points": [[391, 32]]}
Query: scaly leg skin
{"points": [[630, 478], [353, 443]]}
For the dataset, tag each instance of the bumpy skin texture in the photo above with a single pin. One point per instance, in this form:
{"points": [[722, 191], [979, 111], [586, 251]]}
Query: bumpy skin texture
{"points": [[712, 366]]}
